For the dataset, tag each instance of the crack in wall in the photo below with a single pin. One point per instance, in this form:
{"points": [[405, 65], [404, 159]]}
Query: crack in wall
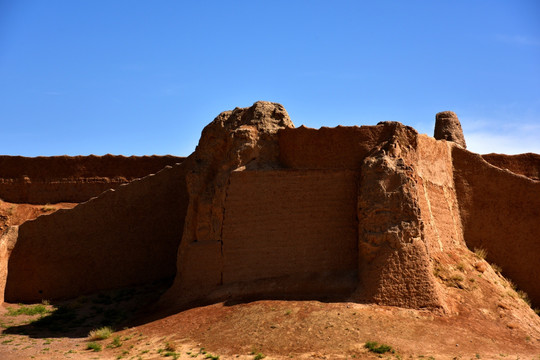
{"points": [[431, 217], [222, 227]]}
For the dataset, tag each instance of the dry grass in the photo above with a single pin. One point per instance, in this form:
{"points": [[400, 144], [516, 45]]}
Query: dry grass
{"points": [[480, 253], [523, 295], [48, 207], [100, 334], [496, 268]]}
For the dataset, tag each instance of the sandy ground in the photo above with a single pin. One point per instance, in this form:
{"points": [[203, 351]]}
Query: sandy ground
{"points": [[275, 329]]}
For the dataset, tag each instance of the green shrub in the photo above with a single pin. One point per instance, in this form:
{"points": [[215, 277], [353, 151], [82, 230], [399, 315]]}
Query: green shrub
{"points": [[115, 343], [173, 354], [93, 346], [378, 348], [28, 310]]}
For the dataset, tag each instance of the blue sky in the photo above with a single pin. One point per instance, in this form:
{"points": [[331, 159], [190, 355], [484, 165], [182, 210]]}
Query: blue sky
{"points": [[144, 77]]}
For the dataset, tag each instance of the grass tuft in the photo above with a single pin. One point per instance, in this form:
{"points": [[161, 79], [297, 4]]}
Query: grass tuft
{"points": [[480, 253], [496, 268], [101, 333], [117, 342], [172, 354], [28, 310], [523, 295], [93, 346], [47, 208], [377, 348]]}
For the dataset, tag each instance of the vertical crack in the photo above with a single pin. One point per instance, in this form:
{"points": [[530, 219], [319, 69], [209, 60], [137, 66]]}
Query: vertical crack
{"points": [[222, 227]]}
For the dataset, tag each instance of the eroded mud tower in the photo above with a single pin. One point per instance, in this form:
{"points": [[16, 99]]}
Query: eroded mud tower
{"points": [[448, 127], [262, 209]]}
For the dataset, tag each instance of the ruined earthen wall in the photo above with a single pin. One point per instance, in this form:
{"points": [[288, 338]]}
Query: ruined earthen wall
{"points": [[309, 226], [125, 236], [263, 209], [329, 148], [7, 242], [523, 164], [437, 196], [290, 224], [500, 212], [395, 266], [55, 179]]}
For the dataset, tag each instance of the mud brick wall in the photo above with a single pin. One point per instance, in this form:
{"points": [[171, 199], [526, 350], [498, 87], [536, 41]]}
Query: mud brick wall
{"points": [[500, 213], [522, 164], [124, 237], [55, 179], [289, 223]]}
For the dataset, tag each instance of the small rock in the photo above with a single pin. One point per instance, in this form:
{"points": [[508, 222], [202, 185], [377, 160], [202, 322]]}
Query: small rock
{"points": [[480, 266]]}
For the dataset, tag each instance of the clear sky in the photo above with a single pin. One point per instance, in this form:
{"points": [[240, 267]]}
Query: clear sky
{"points": [[131, 77]]}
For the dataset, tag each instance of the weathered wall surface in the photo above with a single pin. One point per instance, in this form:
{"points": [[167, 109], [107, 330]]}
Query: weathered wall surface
{"points": [[55, 179], [300, 223], [7, 242], [329, 148], [437, 195], [500, 212], [285, 233], [290, 224], [395, 266], [125, 236], [522, 164], [239, 139]]}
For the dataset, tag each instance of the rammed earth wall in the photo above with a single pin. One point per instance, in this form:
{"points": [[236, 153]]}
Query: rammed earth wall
{"points": [[55, 179], [262, 209]]}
